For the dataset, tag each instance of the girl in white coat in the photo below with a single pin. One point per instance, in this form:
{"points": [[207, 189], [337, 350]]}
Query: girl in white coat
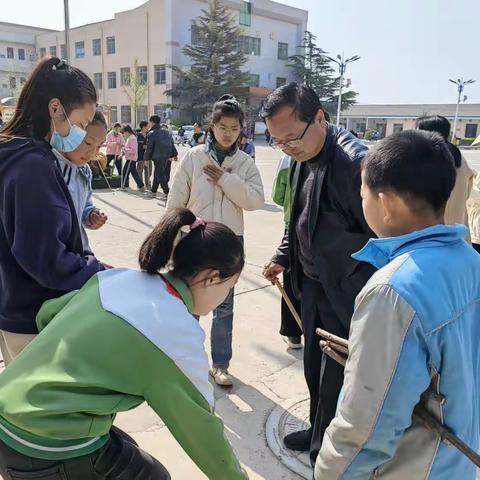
{"points": [[217, 181]]}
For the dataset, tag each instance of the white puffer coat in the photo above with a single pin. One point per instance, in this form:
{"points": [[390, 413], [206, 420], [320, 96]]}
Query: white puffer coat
{"points": [[240, 188]]}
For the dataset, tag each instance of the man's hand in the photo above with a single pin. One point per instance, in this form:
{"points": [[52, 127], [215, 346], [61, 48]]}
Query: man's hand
{"points": [[272, 270], [96, 220], [213, 173]]}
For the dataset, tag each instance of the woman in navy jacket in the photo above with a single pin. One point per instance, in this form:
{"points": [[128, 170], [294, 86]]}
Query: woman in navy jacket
{"points": [[41, 253]]}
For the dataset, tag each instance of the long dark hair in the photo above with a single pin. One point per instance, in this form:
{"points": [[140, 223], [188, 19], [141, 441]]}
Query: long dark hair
{"points": [[226, 106], [211, 246], [52, 78]]}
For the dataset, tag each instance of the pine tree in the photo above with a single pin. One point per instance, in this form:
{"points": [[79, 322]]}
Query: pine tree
{"points": [[313, 68], [216, 62]]}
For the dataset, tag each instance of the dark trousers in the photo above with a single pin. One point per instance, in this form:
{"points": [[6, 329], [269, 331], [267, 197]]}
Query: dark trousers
{"points": [[159, 175], [289, 326], [120, 458], [324, 376], [130, 168], [118, 162], [476, 246], [168, 170]]}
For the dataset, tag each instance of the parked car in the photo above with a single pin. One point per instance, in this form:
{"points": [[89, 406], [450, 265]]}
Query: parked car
{"points": [[188, 132]]}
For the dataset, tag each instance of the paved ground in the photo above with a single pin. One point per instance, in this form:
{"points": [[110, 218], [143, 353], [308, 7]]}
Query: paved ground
{"points": [[266, 374]]}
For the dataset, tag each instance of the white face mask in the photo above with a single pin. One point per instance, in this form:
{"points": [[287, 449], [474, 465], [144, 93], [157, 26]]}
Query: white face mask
{"points": [[72, 141]]}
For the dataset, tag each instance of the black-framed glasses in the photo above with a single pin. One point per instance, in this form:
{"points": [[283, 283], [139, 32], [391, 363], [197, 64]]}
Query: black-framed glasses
{"points": [[298, 142]]}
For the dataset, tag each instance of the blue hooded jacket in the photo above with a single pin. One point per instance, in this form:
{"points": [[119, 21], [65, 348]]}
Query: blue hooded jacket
{"points": [[414, 337]]}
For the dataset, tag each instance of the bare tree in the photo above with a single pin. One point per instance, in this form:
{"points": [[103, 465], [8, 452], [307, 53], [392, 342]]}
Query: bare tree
{"points": [[135, 87]]}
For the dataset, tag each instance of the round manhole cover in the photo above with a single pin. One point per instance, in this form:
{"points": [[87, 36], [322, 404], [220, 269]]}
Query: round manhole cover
{"points": [[284, 419]]}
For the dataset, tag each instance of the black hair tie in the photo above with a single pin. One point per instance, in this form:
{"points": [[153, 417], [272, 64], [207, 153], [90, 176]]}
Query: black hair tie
{"points": [[61, 64]]}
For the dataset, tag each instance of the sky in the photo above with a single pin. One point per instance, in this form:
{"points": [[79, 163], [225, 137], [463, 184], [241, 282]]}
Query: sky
{"points": [[409, 48]]}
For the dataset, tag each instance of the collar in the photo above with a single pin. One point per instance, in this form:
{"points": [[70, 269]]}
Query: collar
{"points": [[83, 169], [180, 289], [379, 252]]}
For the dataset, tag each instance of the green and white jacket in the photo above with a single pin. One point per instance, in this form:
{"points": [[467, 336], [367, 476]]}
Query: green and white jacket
{"points": [[126, 337]]}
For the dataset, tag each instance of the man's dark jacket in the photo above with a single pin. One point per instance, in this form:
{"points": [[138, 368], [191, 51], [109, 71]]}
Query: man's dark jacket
{"points": [[160, 145], [337, 226]]}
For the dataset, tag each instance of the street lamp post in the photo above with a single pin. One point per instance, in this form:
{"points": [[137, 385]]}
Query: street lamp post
{"points": [[460, 83], [342, 66], [66, 12]]}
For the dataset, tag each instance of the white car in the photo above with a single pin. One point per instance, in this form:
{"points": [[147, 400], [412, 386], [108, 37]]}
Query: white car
{"points": [[188, 132]]}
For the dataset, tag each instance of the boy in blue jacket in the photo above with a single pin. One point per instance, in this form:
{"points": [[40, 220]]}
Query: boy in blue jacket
{"points": [[415, 332]]}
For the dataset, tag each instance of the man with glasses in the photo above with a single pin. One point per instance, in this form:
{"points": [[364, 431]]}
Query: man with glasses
{"points": [[327, 226]]}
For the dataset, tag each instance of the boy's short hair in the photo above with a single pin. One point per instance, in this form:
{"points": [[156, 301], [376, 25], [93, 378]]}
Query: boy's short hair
{"points": [[143, 124], [155, 119], [434, 123], [415, 164], [99, 119]]}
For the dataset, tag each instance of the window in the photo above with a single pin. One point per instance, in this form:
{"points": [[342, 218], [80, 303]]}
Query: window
{"points": [[142, 113], [397, 127], [196, 36], [142, 73], [21, 54], [110, 45], [254, 80], [282, 51], [63, 51], [112, 79], [97, 47], [113, 115], [125, 76], [98, 81], [79, 49], [53, 51], [250, 45], [126, 112], [43, 52], [471, 130], [281, 81], [13, 83], [9, 52], [160, 74], [158, 110], [23, 80], [246, 14]]}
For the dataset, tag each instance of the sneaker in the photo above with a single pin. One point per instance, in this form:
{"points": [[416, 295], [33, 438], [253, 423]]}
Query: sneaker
{"points": [[295, 343], [142, 189], [299, 441], [153, 194], [221, 377]]}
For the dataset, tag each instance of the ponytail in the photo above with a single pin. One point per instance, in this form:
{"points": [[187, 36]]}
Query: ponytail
{"points": [[52, 78], [209, 246], [157, 249]]}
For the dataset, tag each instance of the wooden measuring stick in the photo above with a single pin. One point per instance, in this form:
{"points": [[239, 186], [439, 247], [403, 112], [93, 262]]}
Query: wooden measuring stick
{"points": [[338, 348], [332, 338], [328, 350], [289, 303]]}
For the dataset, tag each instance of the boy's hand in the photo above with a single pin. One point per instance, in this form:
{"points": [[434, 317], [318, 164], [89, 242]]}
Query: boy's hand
{"points": [[96, 220]]}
